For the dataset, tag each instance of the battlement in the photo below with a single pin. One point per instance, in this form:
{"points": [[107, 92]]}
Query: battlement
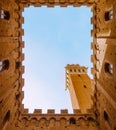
{"points": [[52, 111], [54, 120], [74, 69]]}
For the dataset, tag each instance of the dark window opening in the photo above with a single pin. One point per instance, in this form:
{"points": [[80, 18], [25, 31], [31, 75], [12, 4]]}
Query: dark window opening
{"points": [[107, 119], [17, 96], [72, 121], [109, 68], [18, 65], [1, 101], [4, 14], [108, 15], [4, 65], [105, 116], [85, 86], [90, 119], [6, 119]]}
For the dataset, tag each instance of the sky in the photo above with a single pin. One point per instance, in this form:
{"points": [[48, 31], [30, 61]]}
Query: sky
{"points": [[54, 37]]}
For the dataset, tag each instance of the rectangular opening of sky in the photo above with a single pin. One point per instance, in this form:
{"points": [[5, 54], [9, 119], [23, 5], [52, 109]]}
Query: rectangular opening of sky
{"points": [[54, 37]]}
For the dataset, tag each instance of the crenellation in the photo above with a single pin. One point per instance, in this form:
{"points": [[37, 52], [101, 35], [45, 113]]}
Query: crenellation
{"points": [[21, 69], [21, 83], [37, 111], [62, 3], [21, 95], [30, 120], [102, 116], [21, 58], [64, 111], [76, 111], [21, 108], [51, 111], [92, 58]]}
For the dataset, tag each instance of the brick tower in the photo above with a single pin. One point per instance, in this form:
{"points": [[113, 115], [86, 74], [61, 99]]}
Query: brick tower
{"points": [[80, 87]]}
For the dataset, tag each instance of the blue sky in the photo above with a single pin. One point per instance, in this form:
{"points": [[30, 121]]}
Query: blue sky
{"points": [[54, 37]]}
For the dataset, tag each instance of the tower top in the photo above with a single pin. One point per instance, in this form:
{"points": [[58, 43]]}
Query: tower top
{"points": [[75, 69]]}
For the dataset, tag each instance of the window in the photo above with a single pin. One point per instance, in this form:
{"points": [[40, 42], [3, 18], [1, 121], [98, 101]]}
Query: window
{"points": [[109, 68], [4, 15], [4, 65], [108, 15], [6, 119], [107, 119], [72, 121]]}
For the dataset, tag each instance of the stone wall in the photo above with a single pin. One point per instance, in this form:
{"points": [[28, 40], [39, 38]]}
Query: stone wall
{"points": [[12, 116], [54, 121], [104, 62]]}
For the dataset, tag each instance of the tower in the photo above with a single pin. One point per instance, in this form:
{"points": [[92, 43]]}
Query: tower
{"points": [[80, 87]]}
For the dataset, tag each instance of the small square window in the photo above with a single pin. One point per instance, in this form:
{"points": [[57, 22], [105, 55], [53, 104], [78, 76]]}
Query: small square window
{"points": [[4, 15], [109, 68], [108, 15]]}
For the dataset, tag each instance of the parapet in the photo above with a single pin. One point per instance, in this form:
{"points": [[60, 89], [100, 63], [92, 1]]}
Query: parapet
{"points": [[52, 112], [74, 69], [37, 117], [38, 111]]}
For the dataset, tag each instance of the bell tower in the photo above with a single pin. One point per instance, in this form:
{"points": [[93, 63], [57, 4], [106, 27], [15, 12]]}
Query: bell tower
{"points": [[80, 87]]}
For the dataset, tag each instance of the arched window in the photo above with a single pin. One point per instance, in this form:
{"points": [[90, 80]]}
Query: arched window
{"points": [[6, 119], [72, 121], [108, 15], [4, 65], [108, 68], [4, 14]]}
